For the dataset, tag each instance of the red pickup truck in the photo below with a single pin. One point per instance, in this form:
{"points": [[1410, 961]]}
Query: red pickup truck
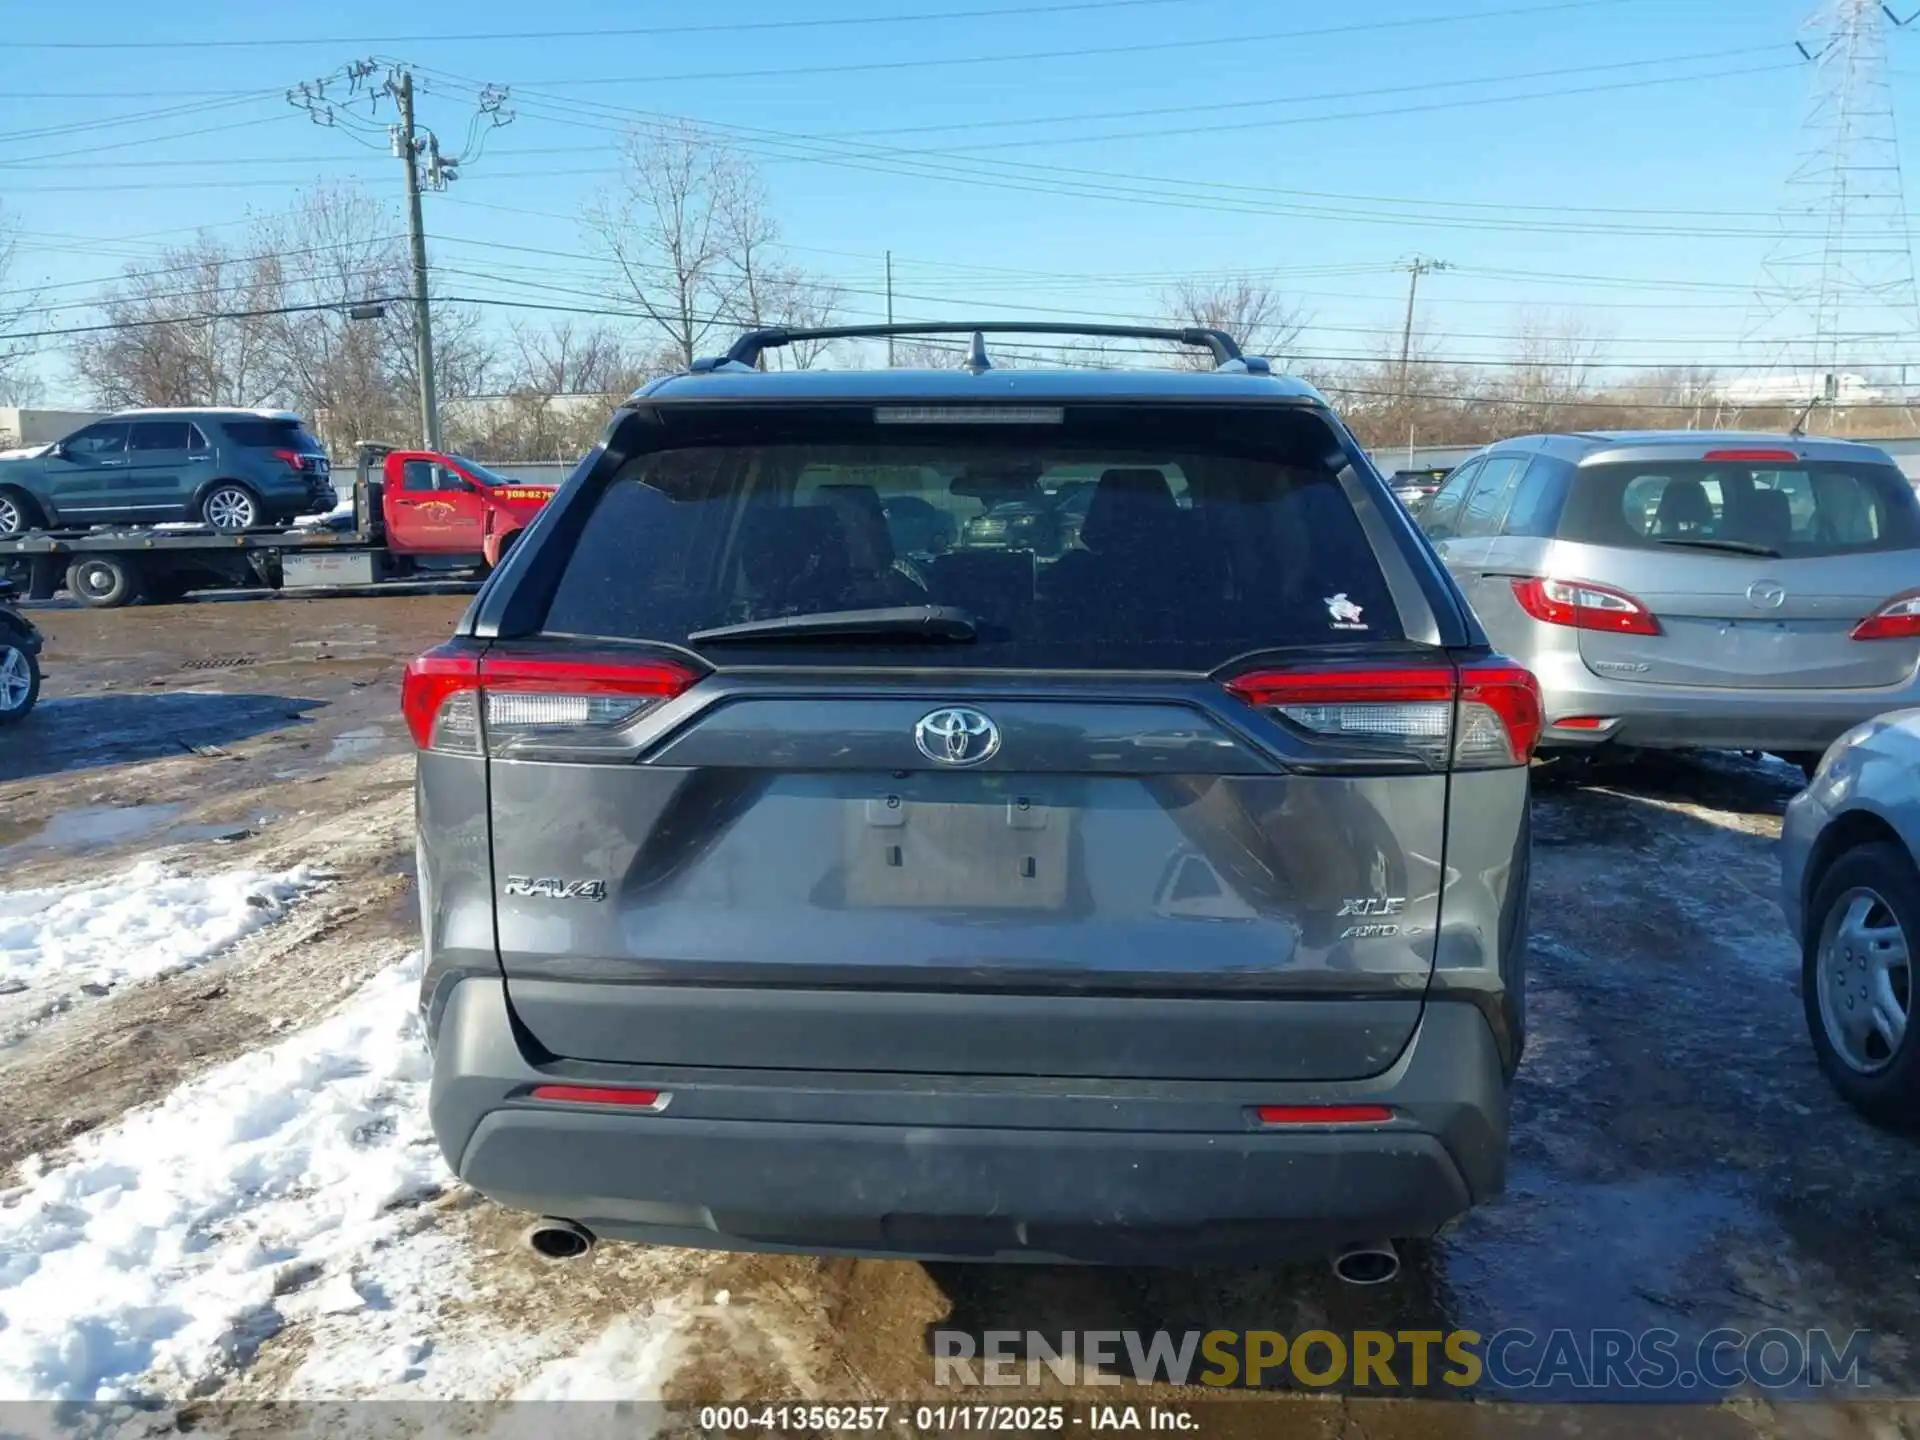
{"points": [[413, 511], [448, 505]]}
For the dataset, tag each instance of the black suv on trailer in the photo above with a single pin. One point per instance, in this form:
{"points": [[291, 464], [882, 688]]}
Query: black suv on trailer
{"points": [[1164, 900]]}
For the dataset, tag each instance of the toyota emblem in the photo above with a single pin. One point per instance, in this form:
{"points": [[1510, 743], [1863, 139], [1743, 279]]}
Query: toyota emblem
{"points": [[1767, 594], [956, 736]]}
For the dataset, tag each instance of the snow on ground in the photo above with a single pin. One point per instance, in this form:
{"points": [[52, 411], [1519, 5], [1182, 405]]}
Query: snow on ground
{"points": [[289, 1188], [149, 1263], [145, 922]]}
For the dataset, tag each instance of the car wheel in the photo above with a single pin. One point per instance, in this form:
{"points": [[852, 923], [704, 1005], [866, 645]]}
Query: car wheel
{"points": [[18, 514], [230, 507], [19, 681], [1857, 981], [104, 582]]}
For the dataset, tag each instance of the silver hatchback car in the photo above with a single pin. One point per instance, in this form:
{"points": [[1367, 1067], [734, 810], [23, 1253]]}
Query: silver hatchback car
{"points": [[1682, 589], [1850, 887]]}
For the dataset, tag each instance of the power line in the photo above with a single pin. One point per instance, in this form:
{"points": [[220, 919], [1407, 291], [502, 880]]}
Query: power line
{"points": [[1006, 122], [229, 126], [138, 117], [1082, 52], [712, 28], [1056, 180], [196, 319]]}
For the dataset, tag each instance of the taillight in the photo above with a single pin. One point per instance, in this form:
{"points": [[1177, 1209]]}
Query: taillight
{"points": [[1582, 605], [1483, 716], [437, 697], [1898, 619], [1750, 455], [289, 458], [464, 704]]}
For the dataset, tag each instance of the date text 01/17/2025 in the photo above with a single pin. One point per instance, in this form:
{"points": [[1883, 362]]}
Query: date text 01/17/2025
{"points": [[975, 1419]]}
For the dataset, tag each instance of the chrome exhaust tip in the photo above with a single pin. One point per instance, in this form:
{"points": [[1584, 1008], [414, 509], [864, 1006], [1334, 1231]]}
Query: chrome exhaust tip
{"points": [[1373, 1262], [554, 1239]]}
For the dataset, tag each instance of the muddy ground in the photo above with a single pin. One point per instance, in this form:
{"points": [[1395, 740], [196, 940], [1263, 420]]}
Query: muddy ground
{"points": [[1678, 1161]]}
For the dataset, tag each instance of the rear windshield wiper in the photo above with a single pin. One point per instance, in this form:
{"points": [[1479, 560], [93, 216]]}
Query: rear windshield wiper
{"points": [[1738, 547], [908, 622]]}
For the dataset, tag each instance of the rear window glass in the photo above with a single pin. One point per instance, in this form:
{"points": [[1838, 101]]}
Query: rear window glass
{"points": [[1808, 508], [272, 435], [1066, 549]]}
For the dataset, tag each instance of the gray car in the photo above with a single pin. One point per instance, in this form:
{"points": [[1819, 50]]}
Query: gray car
{"points": [[1851, 893], [1162, 900], [231, 469], [1682, 589]]}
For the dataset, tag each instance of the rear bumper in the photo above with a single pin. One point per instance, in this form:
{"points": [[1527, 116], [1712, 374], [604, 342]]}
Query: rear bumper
{"points": [[1701, 717], [967, 1167]]}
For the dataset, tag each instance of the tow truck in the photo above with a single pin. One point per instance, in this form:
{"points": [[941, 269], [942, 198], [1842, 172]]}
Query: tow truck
{"points": [[414, 512]]}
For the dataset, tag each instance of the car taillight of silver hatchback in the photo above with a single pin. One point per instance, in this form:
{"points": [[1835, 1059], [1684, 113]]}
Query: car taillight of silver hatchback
{"points": [[460, 703], [1480, 715]]}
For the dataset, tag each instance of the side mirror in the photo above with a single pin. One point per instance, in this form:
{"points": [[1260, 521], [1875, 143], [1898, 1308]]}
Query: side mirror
{"points": [[58, 451]]}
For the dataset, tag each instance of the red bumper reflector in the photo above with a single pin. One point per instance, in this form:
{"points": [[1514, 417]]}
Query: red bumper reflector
{"points": [[598, 1095], [1583, 722], [1323, 1114]]}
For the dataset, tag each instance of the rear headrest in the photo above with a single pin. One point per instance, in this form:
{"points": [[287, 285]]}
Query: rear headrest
{"points": [[1683, 502], [864, 521], [1767, 518], [1129, 505], [782, 545]]}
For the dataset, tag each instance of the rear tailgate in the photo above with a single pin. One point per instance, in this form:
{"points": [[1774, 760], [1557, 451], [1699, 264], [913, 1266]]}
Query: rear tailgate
{"points": [[1061, 848], [1681, 537]]}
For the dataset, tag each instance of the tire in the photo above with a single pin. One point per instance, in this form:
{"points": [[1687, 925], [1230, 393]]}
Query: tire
{"points": [[1856, 978], [105, 582], [18, 513], [231, 506], [19, 680]]}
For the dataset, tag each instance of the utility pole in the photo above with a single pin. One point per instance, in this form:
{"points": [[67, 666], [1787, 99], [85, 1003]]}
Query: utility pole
{"points": [[889, 307], [1416, 267], [426, 169], [408, 146]]}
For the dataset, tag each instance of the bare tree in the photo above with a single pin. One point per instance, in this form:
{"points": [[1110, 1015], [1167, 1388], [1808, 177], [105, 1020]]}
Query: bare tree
{"points": [[1252, 312], [948, 354], [669, 226], [18, 383], [1554, 361], [562, 379], [188, 331], [336, 247]]}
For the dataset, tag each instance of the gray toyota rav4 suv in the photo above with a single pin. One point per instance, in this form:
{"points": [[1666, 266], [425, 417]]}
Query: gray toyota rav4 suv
{"points": [[1159, 899]]}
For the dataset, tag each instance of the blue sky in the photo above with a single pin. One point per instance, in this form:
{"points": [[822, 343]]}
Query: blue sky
{"points": [[1325, 158]]}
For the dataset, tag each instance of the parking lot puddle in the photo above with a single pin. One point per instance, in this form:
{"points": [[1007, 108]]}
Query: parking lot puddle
{"points": [[86, 826]]}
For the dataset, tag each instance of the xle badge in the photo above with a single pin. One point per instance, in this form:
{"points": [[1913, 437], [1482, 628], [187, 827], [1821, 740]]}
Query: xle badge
{"points": [[550, 888], [1343, 613], [1372, 905]]}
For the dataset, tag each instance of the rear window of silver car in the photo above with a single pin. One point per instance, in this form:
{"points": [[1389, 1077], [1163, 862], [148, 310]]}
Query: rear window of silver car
{"points": [[1153, 545], [1810, 508]]}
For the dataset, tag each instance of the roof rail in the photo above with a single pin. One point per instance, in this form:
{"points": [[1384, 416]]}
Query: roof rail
{"points": [[749, 347]]}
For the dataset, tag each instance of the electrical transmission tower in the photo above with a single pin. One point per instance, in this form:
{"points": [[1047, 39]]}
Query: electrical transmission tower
{"points": [[1836, 317], [425, 168]]}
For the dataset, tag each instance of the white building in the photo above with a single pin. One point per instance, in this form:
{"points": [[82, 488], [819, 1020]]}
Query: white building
{"points": [[40, 427], [1799, 389]]}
